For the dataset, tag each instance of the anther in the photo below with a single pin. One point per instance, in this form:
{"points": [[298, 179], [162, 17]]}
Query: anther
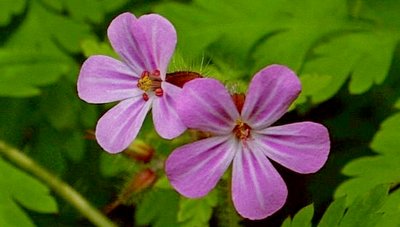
{"points": [[159, 92], [144, 74], [145, 97], [156, 73]]}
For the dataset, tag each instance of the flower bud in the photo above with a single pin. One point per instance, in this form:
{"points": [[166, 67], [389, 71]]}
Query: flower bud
{"points": [[140, 151]]}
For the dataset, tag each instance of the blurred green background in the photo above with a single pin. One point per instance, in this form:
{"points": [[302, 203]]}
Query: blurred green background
{"points": [[346, 54]]}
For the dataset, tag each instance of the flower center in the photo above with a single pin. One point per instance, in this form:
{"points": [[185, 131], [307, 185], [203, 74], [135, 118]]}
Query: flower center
{"points": [[241, 130], [150, 82]]}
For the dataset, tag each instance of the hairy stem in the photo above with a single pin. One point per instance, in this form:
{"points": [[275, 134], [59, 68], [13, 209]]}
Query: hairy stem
{"points": [[61, 188], [226, 213]]}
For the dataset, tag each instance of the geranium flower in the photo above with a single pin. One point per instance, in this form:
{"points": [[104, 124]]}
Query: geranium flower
{"points": [[242, 134], [145, 46]]}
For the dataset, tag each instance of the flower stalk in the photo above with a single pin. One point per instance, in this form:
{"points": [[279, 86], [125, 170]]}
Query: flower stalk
{"points": [[61, 188]]}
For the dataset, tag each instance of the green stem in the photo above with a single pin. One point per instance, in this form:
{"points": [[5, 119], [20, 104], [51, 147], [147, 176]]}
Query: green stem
{"points": [[62, 189], [226, 213]]}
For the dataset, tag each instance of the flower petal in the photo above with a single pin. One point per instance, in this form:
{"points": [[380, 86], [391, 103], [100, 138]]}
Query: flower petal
{"points": [[103, 79], [194, 169], [146, 43], [258, 190], [117, 128], [206, 105], [302, 147], [270, 94], [165, 118]]}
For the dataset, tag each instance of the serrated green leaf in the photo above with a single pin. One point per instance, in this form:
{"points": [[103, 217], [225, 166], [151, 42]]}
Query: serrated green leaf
{"points": [[8, 8], [384, 168], [305, 24], [200, 23], [197, 212], [159, 208], [303, 217], [312, 85], [18, 188], [364, 210], [334, 213]]}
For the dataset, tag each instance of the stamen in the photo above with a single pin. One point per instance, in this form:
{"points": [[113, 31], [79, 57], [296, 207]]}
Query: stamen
{"points": [[150, 82], [145, 97], [241, 130], [156, 73], [159, 92]]}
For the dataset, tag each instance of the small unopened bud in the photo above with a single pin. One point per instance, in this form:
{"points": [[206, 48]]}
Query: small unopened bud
{"points": [[140, 151], [143, 180], [90, 135], [181, 77], [238, 99]]}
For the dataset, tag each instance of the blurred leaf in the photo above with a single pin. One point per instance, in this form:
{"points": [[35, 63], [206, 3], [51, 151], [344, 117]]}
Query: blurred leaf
{"points": [[114, 164], [305, 24], [302, 218], [94, 47], [312, 86], [22, 71], [384, 168], [8, 8], [61, 106], [202, 22], [86, 10], [334, 213], [159, 208], [197, 212], [19, 189], [364, 210], [27, 63]]}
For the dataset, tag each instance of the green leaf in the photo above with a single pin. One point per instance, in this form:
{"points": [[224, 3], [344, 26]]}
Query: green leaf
{"points": [[197, 212], [20, 189], [306, 22], [334, 213], [112, 165], [22, 71], [8, 8], [366, 56], [303, 217], [159, 208], [370, 209], [202, 22], [384, 168], [28, 63], [94, 47], [365, 209], [312, 85]]}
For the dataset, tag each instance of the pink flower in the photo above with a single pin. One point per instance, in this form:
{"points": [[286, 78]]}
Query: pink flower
{"points": [[242, 134], [145, 46]]}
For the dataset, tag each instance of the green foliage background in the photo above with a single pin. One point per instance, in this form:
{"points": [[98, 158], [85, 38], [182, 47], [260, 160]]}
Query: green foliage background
{"points": [[346, 53]]}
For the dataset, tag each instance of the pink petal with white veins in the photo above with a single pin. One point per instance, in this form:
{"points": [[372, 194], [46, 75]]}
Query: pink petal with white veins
{"points": [[118, 127], [103, 79], [258, 190], [270, 94], [166, 120], [302, 147], [206, 105], [146, 43], [194, 169]]}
